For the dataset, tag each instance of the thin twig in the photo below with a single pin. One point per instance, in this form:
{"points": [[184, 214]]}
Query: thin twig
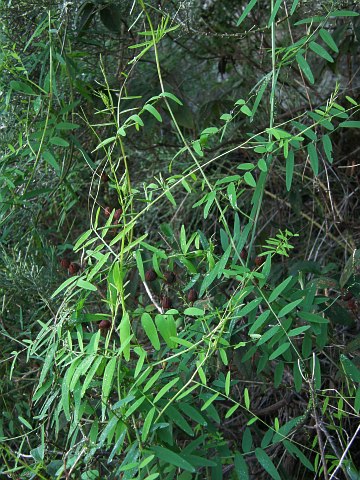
{"points": [[344, 453]]}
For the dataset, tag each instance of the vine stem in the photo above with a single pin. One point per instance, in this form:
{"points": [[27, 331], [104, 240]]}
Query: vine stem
{"points": [[254, 216]]}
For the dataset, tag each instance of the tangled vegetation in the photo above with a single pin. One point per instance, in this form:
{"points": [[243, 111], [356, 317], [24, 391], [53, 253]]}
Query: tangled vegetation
{"points": [[179, 261]]}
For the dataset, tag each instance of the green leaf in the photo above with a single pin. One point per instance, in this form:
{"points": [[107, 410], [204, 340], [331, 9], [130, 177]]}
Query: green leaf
{"points": [[165, 389], [289, 307], [280, 350], [293, 7], [305, 67], [246, 110], [247, 441], [319, 50], [279, 289], [25, 422], [51, 160], [267, 464], [327, 147], [192, 413], [246, 11], [313, 317], [314, 160], [107, 383], [350, 124], [147, 423], [249, 307], [241, 468], [86, 285], [21, 87], [150, 330], [134, 407], [209, 401], [227, 383], [194, 312], [172, 458], [246, 398], [249, 179], [91, 374], [153, 112], [167, 328], [208, 280], [175, 416], [274, 12], [293, 449], [48, 362], [172, 96], [231, 410], [60, 142], [298, 331], [328, 39], [259, 322], [65, 389], [125, 333], [350, 369], [82, 368], [344, 13]]}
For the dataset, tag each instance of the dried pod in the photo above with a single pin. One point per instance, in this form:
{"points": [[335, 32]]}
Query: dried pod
{"points": [[352, 305], [117, 214], [104, 177], [170, 278], [243, 254], [107, 212], [166, 303], [259, 261], [74, 268], [192, 295], [65, 263], [347, 296], [104, 325], [150, 275]]}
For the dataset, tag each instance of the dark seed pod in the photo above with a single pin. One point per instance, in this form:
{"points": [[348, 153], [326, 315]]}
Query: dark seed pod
{"points": [[65, 263], [352, 305], [170, 278], [259, 261], [150, 275], [166, 303], [104, 325], [104, 177], [117, 214], [347, 296], [74, 268], [107, 212], [243, 254], [192, 295]]}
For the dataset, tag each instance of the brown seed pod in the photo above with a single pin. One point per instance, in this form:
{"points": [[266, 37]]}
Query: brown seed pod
{"points": [[192, 295], [104, 325], [150, 275], [65, 263], [170, 278], [352, 305], [74, 268], [347, 296], [166, 303], [117, 214], [259, 261], [243, 254], [104, 177], [107, 212]]}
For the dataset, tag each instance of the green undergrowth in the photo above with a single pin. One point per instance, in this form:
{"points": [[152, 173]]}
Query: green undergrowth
{"points": [[161, 317]]}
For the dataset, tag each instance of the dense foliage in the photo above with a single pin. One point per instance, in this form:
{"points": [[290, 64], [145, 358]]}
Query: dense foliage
{"points": [[179, 262]]}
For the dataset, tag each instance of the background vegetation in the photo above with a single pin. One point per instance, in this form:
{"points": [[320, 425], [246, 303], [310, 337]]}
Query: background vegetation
{"points": [[179, 263]]}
